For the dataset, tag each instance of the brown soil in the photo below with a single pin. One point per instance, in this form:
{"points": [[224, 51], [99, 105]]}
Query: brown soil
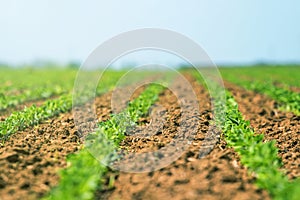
{"points": [[295, 89], [292, 88], [217, 175], [30, 159], [266, 118]]}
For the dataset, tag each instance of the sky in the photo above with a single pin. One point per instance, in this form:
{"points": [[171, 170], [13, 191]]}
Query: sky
{"points": [[231, 31]]}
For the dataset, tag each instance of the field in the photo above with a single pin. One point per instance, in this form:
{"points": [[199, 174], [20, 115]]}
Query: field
{"points": [[152, 135]]}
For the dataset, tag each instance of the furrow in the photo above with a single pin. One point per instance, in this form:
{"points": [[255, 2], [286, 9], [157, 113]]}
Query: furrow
{"points": [[85, 172], [31, 158], [218, 175], [267, 119]]}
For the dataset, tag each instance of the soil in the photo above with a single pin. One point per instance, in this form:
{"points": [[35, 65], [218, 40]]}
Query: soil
{"points": [[30, 159], [206, 170], [292, 88], [295, 89], [266, 118]]}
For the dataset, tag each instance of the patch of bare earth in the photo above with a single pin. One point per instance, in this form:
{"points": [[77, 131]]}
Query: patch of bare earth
{"points": [[217, 175], [292, 88], [295, 89]]}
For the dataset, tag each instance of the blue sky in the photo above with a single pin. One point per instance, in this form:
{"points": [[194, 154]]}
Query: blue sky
{"points": [[231, 31]]}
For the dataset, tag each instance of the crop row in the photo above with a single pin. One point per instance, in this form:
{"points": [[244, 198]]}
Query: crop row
{"points": [[287, 100], [85, 172], [32, 115], [15, 82], [42, 84], [25, 89], [285, 75], [29, 95], [261, 158], [28, 78], [262, 81], [23, 85]]}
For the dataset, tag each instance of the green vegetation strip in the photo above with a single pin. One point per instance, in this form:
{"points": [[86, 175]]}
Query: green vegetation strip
{"points": [[29, 95], [20, 79], [260, 157], [34, 115], [85, 173], [284, 74], [287, 100]]}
